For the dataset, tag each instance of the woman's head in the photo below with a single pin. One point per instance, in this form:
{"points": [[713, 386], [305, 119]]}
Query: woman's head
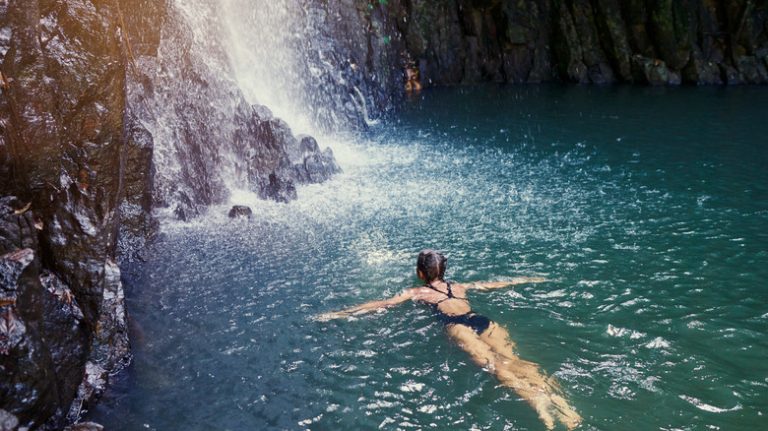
{"points": [[430, 265]]}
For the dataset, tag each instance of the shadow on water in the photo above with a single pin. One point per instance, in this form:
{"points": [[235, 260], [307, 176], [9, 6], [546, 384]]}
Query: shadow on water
{"points": [[648, 208]]}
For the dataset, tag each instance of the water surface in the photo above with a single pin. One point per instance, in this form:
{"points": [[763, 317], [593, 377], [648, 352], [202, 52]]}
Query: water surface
{"points": [[647, 208]]}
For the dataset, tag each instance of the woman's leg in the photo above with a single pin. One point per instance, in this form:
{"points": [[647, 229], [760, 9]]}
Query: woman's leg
{"points": [[482, 355], [494, 349], [498, 339]]}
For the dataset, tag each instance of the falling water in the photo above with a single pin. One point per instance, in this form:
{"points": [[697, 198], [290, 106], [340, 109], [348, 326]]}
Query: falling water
{"points": [[285, 55], [219, 66], [263, 48]]}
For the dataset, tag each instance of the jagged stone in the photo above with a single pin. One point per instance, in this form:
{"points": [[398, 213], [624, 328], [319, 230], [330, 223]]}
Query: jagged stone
{"points": [[39, 358], [701, 72], [276, 188], [670, 32], [137, 225], [593, 41], [64, 69], [614, 36], [568, 48], [185, 209]]}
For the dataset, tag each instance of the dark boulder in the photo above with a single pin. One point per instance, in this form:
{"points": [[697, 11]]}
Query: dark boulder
{"points": [[240, 211], [185, 209], [315, 166], [277, 160], [653, 71]]}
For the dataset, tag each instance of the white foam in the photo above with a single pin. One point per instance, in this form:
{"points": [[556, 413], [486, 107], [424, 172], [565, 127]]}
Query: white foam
{"points": [[658, 343], [412, 386], [708, 407], [614, 331]]}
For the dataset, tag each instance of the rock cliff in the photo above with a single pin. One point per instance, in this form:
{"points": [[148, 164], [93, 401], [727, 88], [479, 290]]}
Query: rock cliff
{"points": [[657, 42], [61, 143]]}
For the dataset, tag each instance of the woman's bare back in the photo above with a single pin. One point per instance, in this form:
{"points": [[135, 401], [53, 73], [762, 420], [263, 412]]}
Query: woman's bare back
{"points": [[453, 304]]}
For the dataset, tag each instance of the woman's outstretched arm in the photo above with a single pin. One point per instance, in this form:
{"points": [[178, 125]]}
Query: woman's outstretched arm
{"points": [[367, 307], [488, 285]]}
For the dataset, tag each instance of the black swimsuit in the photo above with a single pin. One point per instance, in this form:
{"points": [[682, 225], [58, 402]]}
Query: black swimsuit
{"points": [[471, 319]]}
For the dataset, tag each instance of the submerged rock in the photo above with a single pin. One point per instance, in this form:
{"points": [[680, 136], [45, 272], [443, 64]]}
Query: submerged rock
{"points": [[240, 211]]}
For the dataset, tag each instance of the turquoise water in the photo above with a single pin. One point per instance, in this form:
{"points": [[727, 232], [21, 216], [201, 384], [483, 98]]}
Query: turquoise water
{"points": [[648, 209]]}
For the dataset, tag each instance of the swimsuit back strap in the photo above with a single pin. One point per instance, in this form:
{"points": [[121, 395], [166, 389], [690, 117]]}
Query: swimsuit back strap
{"points": [[448, 295]]}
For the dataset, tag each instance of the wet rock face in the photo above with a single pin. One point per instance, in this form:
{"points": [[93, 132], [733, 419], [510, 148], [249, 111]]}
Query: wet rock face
{"points": [[62, 151], [41, 358], [657, 42]]}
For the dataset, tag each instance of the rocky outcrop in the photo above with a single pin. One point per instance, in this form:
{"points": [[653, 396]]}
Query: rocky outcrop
{"points": [[657, 42], [89, 105]]}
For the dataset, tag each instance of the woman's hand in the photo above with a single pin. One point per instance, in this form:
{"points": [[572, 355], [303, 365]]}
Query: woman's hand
{"points": [[367, 307], [487, 285]]}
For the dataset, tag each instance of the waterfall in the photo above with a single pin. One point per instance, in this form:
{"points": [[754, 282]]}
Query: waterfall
{"points": [[262, 40], [230, 84], [292, 56]]}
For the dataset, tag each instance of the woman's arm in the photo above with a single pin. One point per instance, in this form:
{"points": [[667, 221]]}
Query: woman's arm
{"points": [[488, 285], [367, 307]]}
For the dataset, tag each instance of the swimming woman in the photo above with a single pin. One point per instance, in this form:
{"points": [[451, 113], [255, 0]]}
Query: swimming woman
{"points": [[487, 343]]}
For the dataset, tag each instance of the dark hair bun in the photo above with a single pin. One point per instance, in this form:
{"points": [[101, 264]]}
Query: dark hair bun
{"points": [[432, 264]]}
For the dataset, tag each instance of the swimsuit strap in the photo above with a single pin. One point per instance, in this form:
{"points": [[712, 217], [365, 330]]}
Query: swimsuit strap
{"points": [[448, 295]]}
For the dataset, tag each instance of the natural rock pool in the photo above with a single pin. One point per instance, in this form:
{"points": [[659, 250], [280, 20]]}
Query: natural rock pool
{"points": [[648, 209]]}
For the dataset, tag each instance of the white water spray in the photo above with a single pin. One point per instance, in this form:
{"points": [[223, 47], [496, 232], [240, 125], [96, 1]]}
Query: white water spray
{"points": [[218, 65], [263, 45]]}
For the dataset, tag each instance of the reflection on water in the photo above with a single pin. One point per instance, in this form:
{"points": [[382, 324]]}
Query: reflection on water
{"points": [[648, 211]]}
